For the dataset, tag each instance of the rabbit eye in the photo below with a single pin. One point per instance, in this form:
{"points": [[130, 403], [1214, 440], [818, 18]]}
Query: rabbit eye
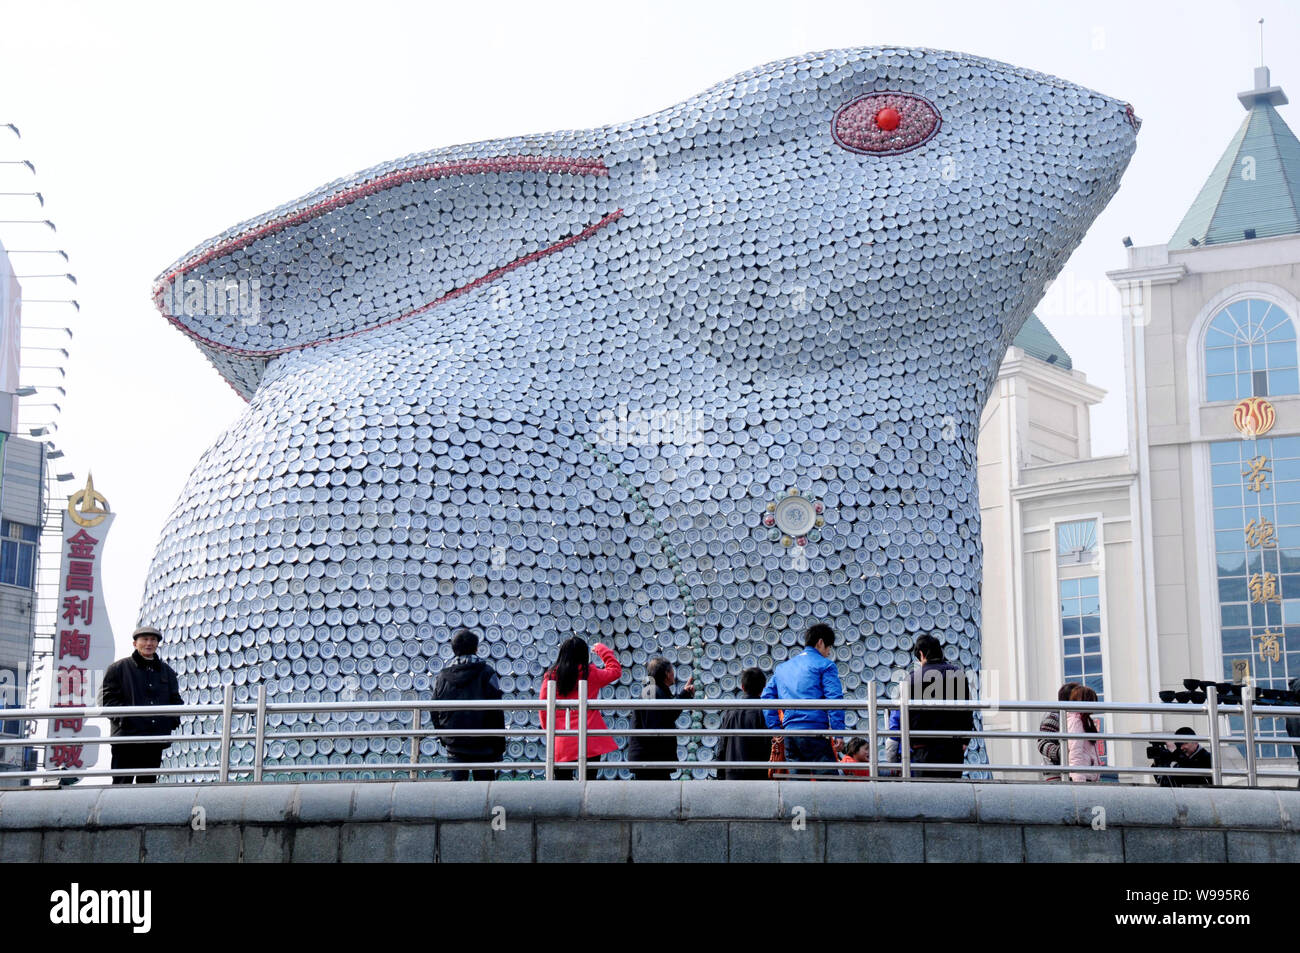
{"points": [[885, 124]]}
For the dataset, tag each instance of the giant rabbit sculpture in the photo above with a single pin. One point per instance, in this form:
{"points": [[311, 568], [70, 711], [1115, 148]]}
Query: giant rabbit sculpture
{"points": [[683, 384]]}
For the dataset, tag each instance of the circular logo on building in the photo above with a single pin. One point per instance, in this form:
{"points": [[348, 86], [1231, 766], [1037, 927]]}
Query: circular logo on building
{"points": [[1253, 417], [87, 506]]}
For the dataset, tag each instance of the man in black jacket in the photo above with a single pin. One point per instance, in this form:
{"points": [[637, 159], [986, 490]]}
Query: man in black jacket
{"points": [[746, 747], [659, 684], [1189, 754], [142, 678], [469, 678], [933, 679]]}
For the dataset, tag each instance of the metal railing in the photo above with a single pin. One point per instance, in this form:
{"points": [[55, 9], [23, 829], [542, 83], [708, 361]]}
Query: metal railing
{"points": [[868, 712]]}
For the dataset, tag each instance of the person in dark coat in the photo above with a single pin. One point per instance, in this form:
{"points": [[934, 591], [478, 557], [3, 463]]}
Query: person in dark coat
{"points": [[935, 678], [659, 684], [748, 747], [140, 679], [469, 678], [1189, 754]]}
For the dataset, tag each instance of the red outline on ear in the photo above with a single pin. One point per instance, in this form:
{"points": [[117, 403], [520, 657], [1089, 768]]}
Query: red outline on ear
{"points": [[571, 166], [454, 293], [418, 174]]}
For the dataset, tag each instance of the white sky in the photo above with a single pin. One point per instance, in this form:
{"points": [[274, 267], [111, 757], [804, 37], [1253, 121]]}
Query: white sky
{"points": [[155, 126]]}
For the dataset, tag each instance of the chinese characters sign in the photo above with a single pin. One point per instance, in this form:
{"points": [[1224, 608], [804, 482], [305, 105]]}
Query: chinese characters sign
{"points": [[83, 640], [1255, 416], [1260, 534], [1255, 485], [1257, 475]]}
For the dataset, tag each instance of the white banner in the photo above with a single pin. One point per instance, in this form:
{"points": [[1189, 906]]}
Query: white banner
{"points": [[83, 639]]}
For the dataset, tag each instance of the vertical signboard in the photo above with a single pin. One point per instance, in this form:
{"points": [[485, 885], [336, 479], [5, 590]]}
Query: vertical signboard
{"points": [[83, 643], [1255, 484]]}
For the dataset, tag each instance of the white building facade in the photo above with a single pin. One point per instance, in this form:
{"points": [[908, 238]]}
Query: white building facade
{"points": [[1181, 557], [22, 503]]}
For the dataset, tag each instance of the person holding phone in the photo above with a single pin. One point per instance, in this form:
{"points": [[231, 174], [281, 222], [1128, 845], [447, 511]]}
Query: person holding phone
{"points": [[660, 678], [572, 665]]}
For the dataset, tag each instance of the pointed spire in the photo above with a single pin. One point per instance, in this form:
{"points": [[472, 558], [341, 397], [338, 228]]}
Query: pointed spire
{"points": [[1264, 91], [1254, 189]]}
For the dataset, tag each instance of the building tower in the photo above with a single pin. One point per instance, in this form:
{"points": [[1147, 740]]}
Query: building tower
{"points": [[34, 342], [1059, 550], [22, 499], [1214, 416]]}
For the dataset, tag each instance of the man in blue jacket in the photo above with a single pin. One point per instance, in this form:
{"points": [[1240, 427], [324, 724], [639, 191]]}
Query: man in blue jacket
{"points": [[810, 675]]}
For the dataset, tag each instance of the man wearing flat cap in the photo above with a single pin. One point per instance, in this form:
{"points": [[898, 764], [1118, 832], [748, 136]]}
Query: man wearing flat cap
{"points": [[140, 679]]}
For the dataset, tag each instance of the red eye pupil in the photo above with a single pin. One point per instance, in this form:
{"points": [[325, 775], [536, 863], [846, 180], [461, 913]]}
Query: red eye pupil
{"points": [[885, 123], [888, 119]]}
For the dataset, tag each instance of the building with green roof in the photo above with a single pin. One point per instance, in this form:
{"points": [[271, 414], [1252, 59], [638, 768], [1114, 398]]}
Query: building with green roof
{"points": [[1213, 388], [1180, 557], [1254, 189], [1036, 341]]}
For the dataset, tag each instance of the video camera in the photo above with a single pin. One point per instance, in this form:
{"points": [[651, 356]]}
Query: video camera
{"points": [[1161, 757]]}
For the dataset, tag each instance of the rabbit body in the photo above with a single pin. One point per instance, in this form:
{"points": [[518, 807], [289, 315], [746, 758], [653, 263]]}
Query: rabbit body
{"points": [[542, 399]]}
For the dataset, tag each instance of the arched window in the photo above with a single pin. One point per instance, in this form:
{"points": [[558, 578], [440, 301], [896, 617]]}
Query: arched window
{"points": [[1250, 351]]}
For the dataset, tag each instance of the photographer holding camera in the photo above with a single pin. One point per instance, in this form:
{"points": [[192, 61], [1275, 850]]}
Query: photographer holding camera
{"points": [[1189, 754]]}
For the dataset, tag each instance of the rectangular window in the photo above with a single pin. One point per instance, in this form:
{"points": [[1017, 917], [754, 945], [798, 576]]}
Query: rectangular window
{"points": [[1260, 383], [1081, 614], [1081, 635], [1285, 381], [17, 554]]}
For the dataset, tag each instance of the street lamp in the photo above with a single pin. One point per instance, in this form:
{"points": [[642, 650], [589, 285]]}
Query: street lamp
{"points": [[28, 221], [37, 251], [39, 197], [61, 350], [72, 301]]}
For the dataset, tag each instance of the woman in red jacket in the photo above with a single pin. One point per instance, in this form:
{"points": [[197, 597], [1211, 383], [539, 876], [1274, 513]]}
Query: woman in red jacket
{"points": [[571, 667]]}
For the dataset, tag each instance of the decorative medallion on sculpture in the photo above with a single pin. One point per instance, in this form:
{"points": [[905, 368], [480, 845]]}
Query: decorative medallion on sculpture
{"points": [[550, 385], [794, 520]]}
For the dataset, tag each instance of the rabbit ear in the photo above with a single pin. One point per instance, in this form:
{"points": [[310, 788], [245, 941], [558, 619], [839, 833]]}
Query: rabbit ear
{"points": [[378, 248]]}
